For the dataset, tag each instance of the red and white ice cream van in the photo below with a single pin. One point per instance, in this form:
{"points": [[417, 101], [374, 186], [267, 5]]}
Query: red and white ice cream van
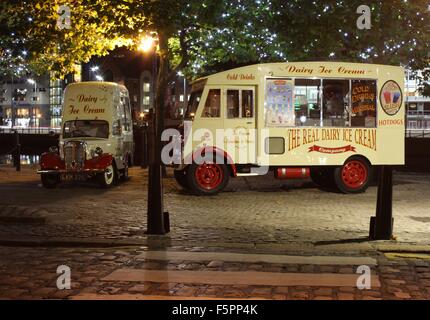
{"points": [[330, 121], [96, 139]]}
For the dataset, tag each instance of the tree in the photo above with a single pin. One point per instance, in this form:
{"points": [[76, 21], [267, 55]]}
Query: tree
{"points": [[203, 36], [399, 34]]}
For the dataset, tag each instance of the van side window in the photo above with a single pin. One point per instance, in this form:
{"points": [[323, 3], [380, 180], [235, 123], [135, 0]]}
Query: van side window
{"points": [[307, 102], [335, 103], [213, 104], [232, 104], [126, 116], [247, 103], [240, 104]]}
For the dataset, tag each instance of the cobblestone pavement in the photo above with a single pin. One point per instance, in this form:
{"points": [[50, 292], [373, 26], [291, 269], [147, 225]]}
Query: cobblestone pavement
{"points": [[254, 215], [30, 273], [259, 210]]}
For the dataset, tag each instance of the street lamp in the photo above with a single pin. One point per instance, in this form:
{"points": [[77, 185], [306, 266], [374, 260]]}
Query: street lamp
{"points": [[33, 82], [157, 219], [93, 69]]}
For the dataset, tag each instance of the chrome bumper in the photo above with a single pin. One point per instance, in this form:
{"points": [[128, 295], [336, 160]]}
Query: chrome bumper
{"points": [[62, 171]]}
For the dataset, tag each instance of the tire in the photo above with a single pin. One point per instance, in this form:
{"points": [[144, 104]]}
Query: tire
{"points": [[354, 176], [50, 181], [323, 176], [181, 178], [108, 178], [208, 178]]}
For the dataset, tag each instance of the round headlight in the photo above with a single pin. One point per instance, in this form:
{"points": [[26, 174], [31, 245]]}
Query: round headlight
{"points": [[98, 151]]}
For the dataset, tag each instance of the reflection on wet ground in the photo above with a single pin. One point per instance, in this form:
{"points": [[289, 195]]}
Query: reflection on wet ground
{"points": [[25, 159]]}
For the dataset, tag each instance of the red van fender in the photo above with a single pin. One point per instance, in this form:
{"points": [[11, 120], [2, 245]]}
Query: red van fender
{"points": [[51, 160], [101, 162], [214, 150]]}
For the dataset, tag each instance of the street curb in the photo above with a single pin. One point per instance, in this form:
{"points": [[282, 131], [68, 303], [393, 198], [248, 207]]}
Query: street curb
{"points": [[160, 242], [403, 248]]}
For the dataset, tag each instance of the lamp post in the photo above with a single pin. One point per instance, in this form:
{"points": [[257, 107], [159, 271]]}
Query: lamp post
{"points": [[156, 215], [33, 82]]}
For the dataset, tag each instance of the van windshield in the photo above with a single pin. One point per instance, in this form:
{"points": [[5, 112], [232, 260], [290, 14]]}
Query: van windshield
{"points": [[86, 128], [193, 103]]}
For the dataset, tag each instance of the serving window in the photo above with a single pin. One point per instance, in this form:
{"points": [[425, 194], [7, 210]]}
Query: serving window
{"points": [[321, 102]]}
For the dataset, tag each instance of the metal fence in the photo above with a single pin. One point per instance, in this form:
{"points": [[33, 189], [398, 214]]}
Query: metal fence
{"points": [[41, 130], [418, 133]]}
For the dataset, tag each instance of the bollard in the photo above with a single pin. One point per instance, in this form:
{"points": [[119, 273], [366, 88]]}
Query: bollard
{"points": [[17, 152], [381, 226]]}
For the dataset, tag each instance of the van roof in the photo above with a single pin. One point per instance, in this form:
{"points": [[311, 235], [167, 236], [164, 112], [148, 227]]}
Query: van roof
{"points": [[97, 83], [264, 66]]}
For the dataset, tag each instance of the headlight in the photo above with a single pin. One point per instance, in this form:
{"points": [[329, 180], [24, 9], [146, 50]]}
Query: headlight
{"points": [[96, 152]]}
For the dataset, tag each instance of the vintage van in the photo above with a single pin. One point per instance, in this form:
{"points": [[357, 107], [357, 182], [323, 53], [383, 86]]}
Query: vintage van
{"points": [[330, 121], [96, 139]]}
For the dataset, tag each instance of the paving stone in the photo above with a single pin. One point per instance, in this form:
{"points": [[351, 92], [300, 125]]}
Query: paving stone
{"points": [[281, 290], [215, 264], [139, 288], [322, 298], [345, 296], [402, 295], [323, 292]]}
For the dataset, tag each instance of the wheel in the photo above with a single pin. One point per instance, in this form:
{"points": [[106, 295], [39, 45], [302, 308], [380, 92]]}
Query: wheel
{"points": [[181, 178], [208, 178], [323, 176], [50, 181], [353, 176], [108, 178]]}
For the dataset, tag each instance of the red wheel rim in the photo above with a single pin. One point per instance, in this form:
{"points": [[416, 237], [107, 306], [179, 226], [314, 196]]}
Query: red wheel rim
{"points": [[354, 174], [209, 175]]}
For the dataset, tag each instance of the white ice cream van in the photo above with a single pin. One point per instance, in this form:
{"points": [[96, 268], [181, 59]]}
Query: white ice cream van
{"points": [[96, 139], [331, 121]]}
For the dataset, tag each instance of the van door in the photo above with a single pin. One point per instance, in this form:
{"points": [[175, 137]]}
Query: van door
{"points": [[240, 139]]}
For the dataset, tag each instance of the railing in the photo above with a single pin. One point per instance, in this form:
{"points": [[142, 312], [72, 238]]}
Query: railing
{"points": [[418, 133], [425, 113], [36, 130]]}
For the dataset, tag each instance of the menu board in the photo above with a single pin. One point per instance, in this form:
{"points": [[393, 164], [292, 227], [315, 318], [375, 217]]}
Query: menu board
{"points": [[279, 107], [364, 98]]}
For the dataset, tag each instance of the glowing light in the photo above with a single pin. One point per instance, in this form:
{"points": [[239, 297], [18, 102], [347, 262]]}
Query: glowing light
{"points": [[147, 43]]}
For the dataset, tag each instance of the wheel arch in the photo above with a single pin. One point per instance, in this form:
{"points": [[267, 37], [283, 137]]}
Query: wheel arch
{"points": [[218, 152]]}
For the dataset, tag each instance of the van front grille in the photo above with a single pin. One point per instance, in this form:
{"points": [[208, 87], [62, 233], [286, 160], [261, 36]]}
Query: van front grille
{"points": [[74, 155]]}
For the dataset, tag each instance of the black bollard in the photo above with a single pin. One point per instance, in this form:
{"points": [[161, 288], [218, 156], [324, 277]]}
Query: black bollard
{"points": [[17, 152], [381, 226]]}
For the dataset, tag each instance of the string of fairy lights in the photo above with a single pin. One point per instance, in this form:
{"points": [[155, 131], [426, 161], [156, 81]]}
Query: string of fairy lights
{"points": [[244, 32]]}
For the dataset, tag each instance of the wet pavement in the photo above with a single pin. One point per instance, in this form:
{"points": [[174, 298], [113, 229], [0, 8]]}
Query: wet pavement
{"points": [[100, 235]]}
